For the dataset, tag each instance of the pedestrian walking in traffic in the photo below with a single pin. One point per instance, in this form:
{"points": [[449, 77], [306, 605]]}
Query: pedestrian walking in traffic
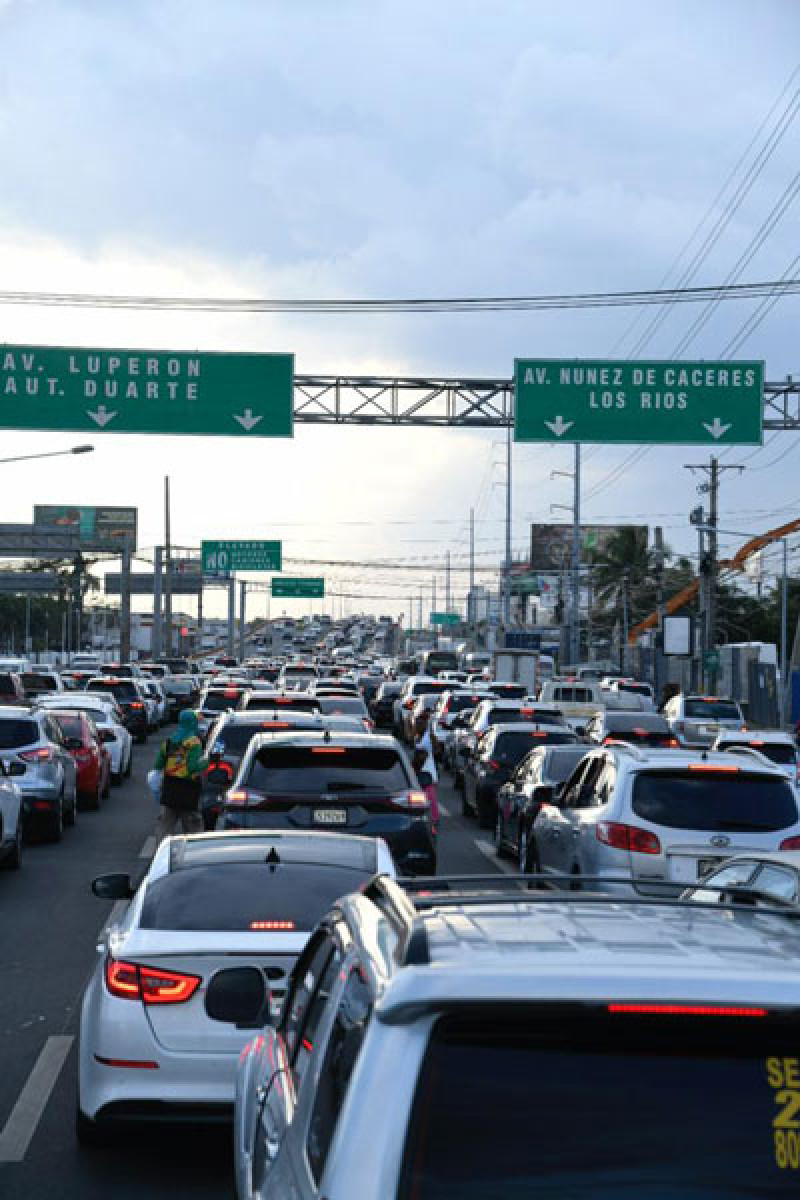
{"points": [[425, 765], [182, 760]]}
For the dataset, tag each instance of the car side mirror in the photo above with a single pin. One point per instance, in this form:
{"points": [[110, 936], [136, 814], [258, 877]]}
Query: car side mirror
{"points": [[113, 887], [544, 793], [239, 996], [73, 743], [107, 735]]}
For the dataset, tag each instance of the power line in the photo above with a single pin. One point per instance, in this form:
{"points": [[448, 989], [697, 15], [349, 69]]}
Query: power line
{"points": [[452, 304]]}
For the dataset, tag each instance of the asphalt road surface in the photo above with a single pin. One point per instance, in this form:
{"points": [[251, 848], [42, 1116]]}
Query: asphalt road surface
{"points": [[49, 921]]}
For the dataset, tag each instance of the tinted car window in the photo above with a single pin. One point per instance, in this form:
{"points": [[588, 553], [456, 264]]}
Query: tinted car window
{"points": [[741, 803], [38, 683], [234, 739], [714, 710], [122, 689], [505, 716], [777, 752], [300, 702], [70, 726], [15, 732], [246, 896], [219, 701], [7, 686], [348, 705], [511, 747], [316, 769], [687, 1110], [511, 691]]}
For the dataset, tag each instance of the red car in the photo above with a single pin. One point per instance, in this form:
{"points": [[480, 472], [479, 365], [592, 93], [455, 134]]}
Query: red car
{"points": [[92, 760]]}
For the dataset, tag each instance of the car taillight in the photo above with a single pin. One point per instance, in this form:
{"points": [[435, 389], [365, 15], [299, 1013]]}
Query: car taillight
{"points": [[151, 985], [220, 766], [40, 754], [494, 764], [411, 800], [136, 704], [686, 1010], [792, 843], [408, 704], [627, 837], [238, 798]]}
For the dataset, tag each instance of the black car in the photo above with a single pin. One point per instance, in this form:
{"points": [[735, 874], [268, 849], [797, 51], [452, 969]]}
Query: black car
{"points": [[382, 706], [130, 700], [355, 783], [531, 785], [497, 754], [637, 728]]}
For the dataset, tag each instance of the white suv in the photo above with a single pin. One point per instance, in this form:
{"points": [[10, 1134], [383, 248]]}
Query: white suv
{"points": [[515, 1044], [699, 720]]}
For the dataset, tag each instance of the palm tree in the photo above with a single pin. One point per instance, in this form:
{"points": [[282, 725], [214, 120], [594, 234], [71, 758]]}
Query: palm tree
{"points": [[623, 568]]}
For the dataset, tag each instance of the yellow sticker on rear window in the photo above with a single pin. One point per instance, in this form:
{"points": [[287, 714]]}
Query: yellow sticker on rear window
{"points": [[783, 1076]]}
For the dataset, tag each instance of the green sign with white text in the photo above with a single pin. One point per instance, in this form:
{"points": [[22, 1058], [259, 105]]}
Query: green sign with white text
{"points": [[683, 403], [237, 555], [146, 391], [445, 618], [289, 587]]}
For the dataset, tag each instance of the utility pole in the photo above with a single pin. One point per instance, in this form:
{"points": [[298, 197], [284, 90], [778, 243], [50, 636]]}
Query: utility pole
{"points": [[158, 568], [242, 627], [708, 561], [447, 600], [471, 603], [231, 615], [433, 594], [658, 539], [125, 604], [167, 573], [575, 617], [507, 573]]}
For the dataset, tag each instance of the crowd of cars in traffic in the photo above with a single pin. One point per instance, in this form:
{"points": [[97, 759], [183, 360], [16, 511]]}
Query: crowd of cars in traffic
{"points": [[301, 956]]}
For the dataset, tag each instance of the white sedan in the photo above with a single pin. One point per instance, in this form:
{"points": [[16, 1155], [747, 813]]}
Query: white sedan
{"points": [[201, 960]]}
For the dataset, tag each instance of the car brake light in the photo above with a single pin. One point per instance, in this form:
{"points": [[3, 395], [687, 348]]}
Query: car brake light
{"points": [[272, 926], [494, 764], [328, 750], [230, 693], [792, 843], [136, 704], [151, 985], [713, 769], [238, 798], [627, 837], [411, 800], [40, 754], [275, 725], [141, 1064], [686, 1010]]}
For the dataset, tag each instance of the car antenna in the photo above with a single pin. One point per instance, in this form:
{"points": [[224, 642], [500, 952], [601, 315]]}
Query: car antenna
{"points": [[272, 859]]}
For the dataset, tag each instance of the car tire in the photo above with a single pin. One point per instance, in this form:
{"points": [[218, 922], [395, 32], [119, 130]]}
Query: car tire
{"points": [[116, 778], [466, 811], [70, 813], [92, 803], [55, 824], [88, 1133], [13, 861], [485, 813], [129, 764], [106, 792]]}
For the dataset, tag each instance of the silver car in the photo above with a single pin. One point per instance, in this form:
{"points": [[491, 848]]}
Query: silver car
{"points": [[699, 720], [661, 816], [34, 755], [215, 914], [10, 822]]}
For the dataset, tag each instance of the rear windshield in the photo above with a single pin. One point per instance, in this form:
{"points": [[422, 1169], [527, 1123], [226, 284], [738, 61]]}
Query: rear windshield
{"points": [[636, 722], [234, 739], [639, 689], [15, 732], [777, 752], [716, 710], [512, 691], [324, 768], [7, 686], [387, 690], [219, 701], [457, 704], [38, 683], [623, 1107], [573, 695], [239, 896], [506, 716], [641, 737], [70, 726], [511, 747], [441, 661], [729, 803], [429, 687], [300, 702], [122, 689], [351, 706]]}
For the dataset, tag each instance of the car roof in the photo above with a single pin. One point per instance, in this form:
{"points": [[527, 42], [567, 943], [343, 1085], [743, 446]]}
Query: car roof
{"points": [[544, 948], [16, 710], [253, 846], [313, 737], [753, 736], [669, 758], [532, 727]]}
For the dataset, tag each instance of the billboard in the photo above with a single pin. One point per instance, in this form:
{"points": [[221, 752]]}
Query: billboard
{"points": [[551, 545], [98, 528]]}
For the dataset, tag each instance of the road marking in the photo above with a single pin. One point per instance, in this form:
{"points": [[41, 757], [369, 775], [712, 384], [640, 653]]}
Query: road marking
{"points": [[32, 1101], [149, 847], [488, 850]]}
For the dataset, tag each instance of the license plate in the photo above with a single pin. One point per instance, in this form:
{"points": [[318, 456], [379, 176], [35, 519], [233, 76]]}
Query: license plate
{"points": [[330, 816]]}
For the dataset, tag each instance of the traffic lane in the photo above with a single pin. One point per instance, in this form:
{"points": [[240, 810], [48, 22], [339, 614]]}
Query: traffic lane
{"points": [[464, 848], [48, 931]]}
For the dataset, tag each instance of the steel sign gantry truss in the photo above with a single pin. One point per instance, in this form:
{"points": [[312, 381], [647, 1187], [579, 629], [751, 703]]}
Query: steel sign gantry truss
{"points": [[469, 403]]}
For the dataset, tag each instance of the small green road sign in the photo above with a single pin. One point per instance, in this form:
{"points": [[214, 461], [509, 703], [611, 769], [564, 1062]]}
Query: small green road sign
{"points": [[589, 400], [240, 556], [711, 660], [146, 391], [288, 587], [445, 618]]}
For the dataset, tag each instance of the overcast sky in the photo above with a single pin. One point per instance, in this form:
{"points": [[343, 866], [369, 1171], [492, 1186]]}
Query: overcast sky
{"points": [[371, 148]]}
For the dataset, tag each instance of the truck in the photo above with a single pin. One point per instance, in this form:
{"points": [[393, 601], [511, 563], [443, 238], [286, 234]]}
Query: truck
{"points": [[517, 666], [578, 700]]}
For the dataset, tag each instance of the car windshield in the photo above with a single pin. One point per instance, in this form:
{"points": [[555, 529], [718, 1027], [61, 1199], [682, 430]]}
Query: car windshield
{"points": [[70, 725], [732, 801], [712, 709], [428, 687], [17, 732], [624, 1107], [233, 740], [511, 691], [326, 768], [246, 897], [219, 701], [345, 705], [122, 689]]}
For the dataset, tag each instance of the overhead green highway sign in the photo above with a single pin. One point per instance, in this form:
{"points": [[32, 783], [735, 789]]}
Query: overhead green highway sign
{"points": [[146, 391], [683, 403], [234, 555], [445, 618], [290, 587]]}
